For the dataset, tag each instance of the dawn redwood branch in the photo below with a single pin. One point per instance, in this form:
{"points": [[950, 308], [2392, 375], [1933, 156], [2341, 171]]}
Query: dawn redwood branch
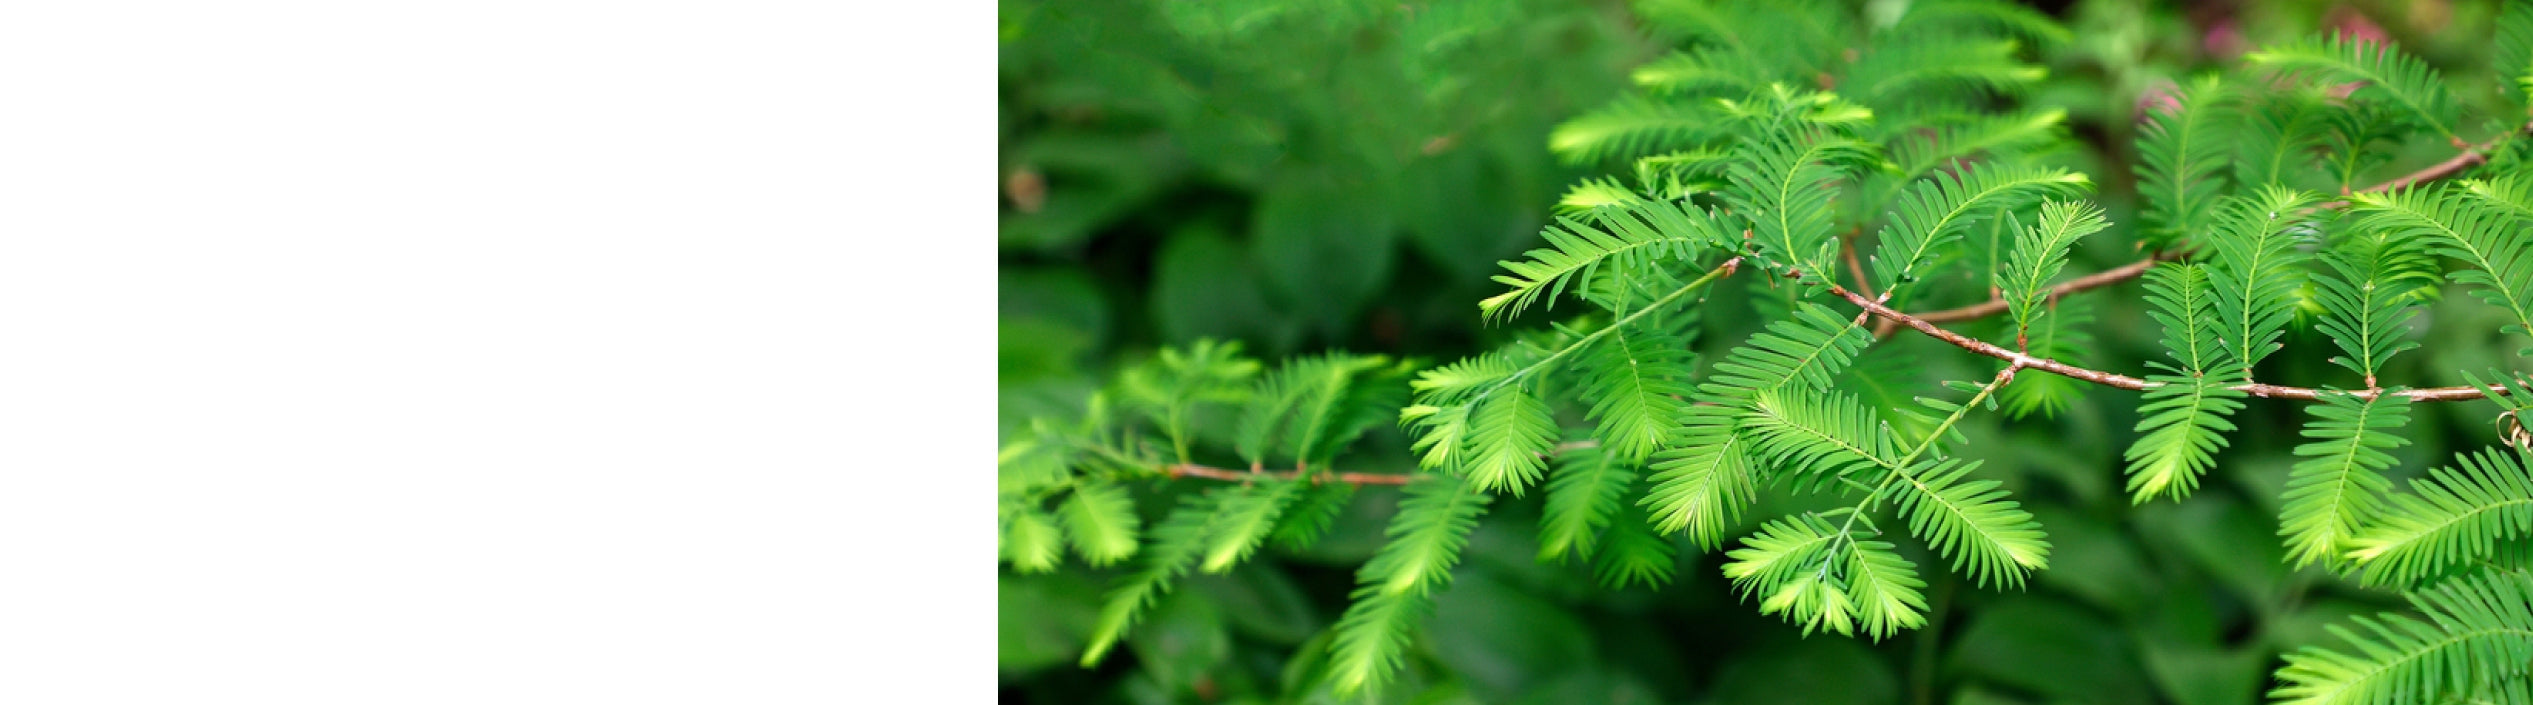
{"points": [[2113, 379], [1847, 247], [2471, 156], [1995, 306]]}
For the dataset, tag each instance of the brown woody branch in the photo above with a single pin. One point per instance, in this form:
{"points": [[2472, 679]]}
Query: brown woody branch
{"points": [[1995, 306], [1855, 269], [2113, 379], [2472, 155]]}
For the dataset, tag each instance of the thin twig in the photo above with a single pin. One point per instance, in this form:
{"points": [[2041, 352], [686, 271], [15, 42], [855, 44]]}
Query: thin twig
{"points": [[2471, 156], [1992, 307], [2113, 379], [1847, 247]]}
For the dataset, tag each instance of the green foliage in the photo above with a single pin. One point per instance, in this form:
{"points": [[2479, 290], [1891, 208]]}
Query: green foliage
{"points": [[1786, 189], [2183, 420], [1639, 386], [2513, 55], [1176, 544], [1944, 206], [2285, 131], [1509, 434], [2039, 254], [2181, 164], [1581, 501], [2476, 632], [1312, 407], [1100, 520], [2450, 518], [1803, 569], [1289, 167], [2062, 332], [2368, 297], [2464, 228], [1720, 368], [1628, 238], [1397, 586], [2340, 482], [1244, 516], [2256, 270], [2400, 80], [1701, 485], [1633, 126]]}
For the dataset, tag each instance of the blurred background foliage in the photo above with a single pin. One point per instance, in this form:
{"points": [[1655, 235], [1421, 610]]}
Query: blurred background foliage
{"points": [[1344, 174]]}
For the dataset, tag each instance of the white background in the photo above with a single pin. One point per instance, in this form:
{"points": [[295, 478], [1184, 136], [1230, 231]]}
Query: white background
{"points": [[494, 352]]}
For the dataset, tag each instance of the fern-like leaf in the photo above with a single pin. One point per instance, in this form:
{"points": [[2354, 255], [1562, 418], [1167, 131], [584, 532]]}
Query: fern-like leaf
{"points": [[2513, 54], [1100, 520], [1631, 126], [1312, 407], [1919, 152], [2339, 485], [1940, 209], [1456, 382], [1783, 564], [1509, 432], [2386, 72], [1396, 588], [1884, 588], [2283, 132], [2477, 633], [1245, 517], [2064, 333], [2510, 192], [1679, 174], [1987, 536], [2466, 229], [1310, 515], [2370, 297], [1806, 350], [1783, 189], [2183, 421], [1590, 195], [1632, 554], [1702, 70], [1442, 434], [2258, 269], [1638, 386], [1810, 572], [1815, 438], [1444, 393], [1633, 237], [2181, 163], [2451, 517], [1031, 540], [2040, 253], [1176, 543], [2361, 136], [1701, 485], [1169, 387], [1582, 497]]}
